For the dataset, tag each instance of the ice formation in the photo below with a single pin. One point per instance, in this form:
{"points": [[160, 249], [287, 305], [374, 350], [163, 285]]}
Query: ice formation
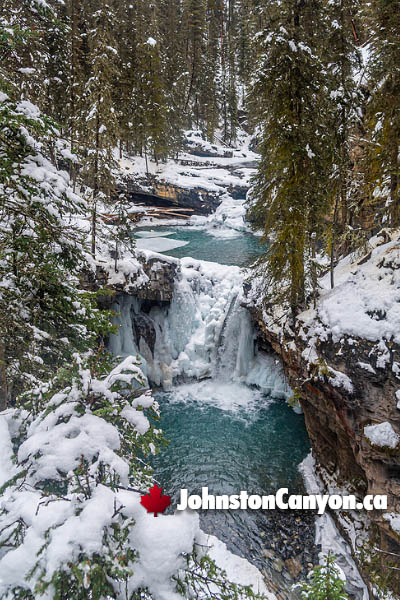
{"points": [[204, 333]]}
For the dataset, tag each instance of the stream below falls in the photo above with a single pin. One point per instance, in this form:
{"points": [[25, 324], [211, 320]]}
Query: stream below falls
{"points": [[222, 401]]}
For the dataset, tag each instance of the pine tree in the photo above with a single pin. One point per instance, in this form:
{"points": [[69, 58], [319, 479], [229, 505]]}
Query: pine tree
{"points": [[149, 105], [81, 448], [175, 74], [101, 132], [290, 200], [26, 54], [41, 252], [325, 582], [383, 19], [195, 26], [343, 105]]}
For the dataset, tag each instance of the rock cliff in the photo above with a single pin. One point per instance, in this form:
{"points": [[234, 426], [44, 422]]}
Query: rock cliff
{"points": [[148, 276], [345, 383]]}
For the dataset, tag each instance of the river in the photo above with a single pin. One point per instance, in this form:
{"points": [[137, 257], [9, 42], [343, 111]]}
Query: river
{"points": [[223, 402]]}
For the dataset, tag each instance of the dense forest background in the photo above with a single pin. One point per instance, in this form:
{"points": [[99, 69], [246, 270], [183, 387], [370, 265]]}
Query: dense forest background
{"points": [[318, 82], [315, 83]]}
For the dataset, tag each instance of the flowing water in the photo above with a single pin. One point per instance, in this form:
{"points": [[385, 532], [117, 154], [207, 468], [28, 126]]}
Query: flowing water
{"points": [[254, 444], [222, 400], [229, 247]]}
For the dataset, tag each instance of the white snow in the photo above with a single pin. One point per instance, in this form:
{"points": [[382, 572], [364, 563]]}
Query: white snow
{"points": [[340, 380], [382, 435], [394, 520], [329, 537], [7, 467], [366, 300], [366, 367], [238, 569], [205, 332]]}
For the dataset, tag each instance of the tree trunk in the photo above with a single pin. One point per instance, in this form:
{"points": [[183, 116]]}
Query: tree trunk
{"points": [[3, 379]]}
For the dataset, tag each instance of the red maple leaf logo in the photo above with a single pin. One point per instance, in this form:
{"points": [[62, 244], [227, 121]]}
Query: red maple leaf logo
{"points": [[155, 502]]}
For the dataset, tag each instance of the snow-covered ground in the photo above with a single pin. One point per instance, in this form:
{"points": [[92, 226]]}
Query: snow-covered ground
{"points": [[365, 300], [363, 305], [213, 174], [217, 174]]}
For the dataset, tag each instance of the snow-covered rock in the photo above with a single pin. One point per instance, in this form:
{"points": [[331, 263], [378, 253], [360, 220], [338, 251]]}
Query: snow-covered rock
{"points": [[382, 435], [394, 520]]}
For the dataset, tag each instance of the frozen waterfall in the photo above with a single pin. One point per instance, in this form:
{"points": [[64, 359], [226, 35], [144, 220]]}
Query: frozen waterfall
{"points": [[203, 333]]}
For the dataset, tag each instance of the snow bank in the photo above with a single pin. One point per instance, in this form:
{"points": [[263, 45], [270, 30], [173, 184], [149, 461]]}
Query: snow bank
{"points": [[327, 535], [394, 520], [238, 569], [366, 300]]}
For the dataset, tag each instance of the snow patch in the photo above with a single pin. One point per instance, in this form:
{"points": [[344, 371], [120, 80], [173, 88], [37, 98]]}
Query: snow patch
{"points": [[382, 435]]}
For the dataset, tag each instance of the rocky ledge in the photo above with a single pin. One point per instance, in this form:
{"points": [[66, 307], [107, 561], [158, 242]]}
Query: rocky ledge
{"points": [[151, 191], [148, 276]]}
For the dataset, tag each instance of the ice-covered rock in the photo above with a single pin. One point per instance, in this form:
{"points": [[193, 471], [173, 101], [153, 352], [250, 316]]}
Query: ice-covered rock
{"points": [[204, 332]]}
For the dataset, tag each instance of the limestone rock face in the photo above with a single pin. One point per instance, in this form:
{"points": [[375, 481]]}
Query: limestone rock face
{"points": [[153, 192], [336, 417], [162, 274], [149, 277]]}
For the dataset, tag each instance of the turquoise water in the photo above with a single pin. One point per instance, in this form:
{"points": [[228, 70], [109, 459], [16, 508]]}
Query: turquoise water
{"points": [[255, 448], [254, 444], [241, 250]]}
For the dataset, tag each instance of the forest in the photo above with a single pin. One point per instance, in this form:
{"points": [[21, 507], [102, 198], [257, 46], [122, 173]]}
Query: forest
{"points": [[309, 91]]}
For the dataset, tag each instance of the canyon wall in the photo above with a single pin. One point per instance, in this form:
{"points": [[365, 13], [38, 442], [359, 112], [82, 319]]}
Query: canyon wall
{"points": [[335, 418]]}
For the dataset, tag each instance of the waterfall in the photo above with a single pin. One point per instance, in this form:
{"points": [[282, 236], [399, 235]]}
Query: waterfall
{"points": [[204, 333]]}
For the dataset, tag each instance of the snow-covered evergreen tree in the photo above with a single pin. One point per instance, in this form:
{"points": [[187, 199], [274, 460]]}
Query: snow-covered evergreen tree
{"points": [[290, 199], [101, 131], [43, 314], [383, 20]]}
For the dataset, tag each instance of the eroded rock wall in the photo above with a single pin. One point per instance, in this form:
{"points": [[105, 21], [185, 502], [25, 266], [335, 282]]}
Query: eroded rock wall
{"points": [[335, 418]]}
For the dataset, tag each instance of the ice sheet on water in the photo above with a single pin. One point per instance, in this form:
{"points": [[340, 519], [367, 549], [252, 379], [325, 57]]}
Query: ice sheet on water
{"points": [[159, 244], [227, 396], [153, 234]]}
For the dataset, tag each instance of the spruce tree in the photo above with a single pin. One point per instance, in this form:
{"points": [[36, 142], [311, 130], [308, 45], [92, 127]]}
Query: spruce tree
{"points": [[101, 131], [325, 582], [383, 19], [195, 21], [44, 317], [343, 105], [290, 199]]}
